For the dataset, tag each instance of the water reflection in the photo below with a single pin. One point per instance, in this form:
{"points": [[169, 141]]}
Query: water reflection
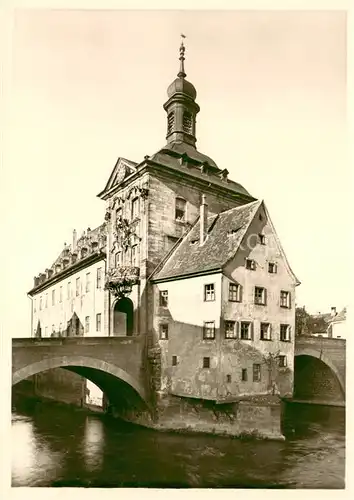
{"points": [[55, 445], [93, 443]]}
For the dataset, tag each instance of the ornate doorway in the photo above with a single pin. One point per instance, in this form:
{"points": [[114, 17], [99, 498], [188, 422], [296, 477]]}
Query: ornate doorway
{"points": [[123, 317]]}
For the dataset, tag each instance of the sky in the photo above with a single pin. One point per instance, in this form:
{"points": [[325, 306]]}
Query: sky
{"points": [[85, 87]]}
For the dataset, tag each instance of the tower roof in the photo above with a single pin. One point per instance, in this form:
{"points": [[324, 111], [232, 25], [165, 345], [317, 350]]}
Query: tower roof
{"points": [[180, 84]]}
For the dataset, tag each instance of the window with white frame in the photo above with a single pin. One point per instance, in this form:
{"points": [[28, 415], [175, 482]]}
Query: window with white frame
{"points": [[272, 267], [234, 292], [78, 286], [68, 290], [209, 292], [53, 297], [209, 330], [180, 210], [135, 208], [61, 294], [164, 298], [250, 264], [256, 372], [88, 282], [284, 299], [46, 300], [230, 329], [285, 333], [246, 330], [259, 295], [99, 277], [265, 331], [164, 331], [134, 255], [98, 322], [282, 361]]}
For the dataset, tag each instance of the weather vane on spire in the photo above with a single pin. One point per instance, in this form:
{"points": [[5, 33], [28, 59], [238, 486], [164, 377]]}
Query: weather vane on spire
{"points": [[182, 49]]}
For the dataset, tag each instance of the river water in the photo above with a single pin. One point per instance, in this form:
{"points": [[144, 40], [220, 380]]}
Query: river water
{"points": [[57, 445]]}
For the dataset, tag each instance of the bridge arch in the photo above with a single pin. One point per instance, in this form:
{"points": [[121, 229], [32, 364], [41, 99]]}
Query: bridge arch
{"points": [[98, 371], [303, 363]]}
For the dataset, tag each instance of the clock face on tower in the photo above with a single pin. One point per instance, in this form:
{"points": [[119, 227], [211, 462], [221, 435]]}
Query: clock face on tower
{"points": [[120, 174]]}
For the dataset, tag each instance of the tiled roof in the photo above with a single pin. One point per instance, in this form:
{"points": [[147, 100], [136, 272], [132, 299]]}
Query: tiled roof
{"points": [[225, 233], [171, 155]]}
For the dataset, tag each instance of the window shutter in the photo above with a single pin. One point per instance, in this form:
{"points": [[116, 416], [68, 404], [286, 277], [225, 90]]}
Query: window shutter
{"points": [[289, 300], [289, 332], [265, 296], [270, 331], [275, 268], [252, 330], [237, 329], [240, 289]]}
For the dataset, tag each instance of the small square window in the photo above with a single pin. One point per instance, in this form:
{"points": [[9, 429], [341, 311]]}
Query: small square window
{"points": [[230, 329], [244, 375], [265, 331], [284, 299], [164, 298], [272, 268], [164, 331], [245, 330], [262, 239], [209, 330], [259, 295], [234, 292], [282, 361], [285, 333], [209, 292], [256, 372], [206, 362], [250, 264], [174, 360]]}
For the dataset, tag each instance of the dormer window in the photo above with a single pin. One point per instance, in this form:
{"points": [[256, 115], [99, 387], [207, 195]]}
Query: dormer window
{"points": [[187, 122], [180, 213], [170, 122]]}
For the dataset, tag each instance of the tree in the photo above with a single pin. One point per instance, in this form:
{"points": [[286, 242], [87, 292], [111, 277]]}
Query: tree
{"points": [[302, 321]]}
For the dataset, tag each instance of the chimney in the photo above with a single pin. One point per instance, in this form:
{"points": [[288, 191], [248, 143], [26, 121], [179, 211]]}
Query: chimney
{"points": [[203, 220], [333, 311], [74, 240]]}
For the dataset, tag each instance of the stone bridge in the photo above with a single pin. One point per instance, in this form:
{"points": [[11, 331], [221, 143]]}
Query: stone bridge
{"points": [[320, 370], [115, 364]]}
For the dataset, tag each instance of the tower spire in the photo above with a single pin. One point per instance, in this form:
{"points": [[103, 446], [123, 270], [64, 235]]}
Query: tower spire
{"points": [[181, 73]]}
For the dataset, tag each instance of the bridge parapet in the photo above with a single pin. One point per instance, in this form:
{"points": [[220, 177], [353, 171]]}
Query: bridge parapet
{"points": [[121, 357]]}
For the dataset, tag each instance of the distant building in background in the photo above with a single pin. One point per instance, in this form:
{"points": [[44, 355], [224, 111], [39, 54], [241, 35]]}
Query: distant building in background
{"points": [[330, 325]]}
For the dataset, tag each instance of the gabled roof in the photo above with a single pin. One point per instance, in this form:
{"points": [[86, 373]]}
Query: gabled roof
{"points": [[225, 233], [128, 165]]}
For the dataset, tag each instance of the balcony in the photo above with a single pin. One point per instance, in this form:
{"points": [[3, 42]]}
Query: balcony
{"points": [[120, 280]]}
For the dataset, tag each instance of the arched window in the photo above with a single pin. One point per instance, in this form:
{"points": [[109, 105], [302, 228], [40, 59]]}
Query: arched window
{"points": [[180, 213]]}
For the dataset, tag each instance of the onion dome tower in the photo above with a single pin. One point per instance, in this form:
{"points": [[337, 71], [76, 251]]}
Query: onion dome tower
{"points": [[181, 107]]}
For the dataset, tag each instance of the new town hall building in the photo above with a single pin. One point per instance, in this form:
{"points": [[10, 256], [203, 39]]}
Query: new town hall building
{"points": [[187, 257]]}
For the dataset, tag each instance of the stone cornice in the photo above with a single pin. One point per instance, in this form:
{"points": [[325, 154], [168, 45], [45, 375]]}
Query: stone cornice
{"points": [[65, 273]]}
